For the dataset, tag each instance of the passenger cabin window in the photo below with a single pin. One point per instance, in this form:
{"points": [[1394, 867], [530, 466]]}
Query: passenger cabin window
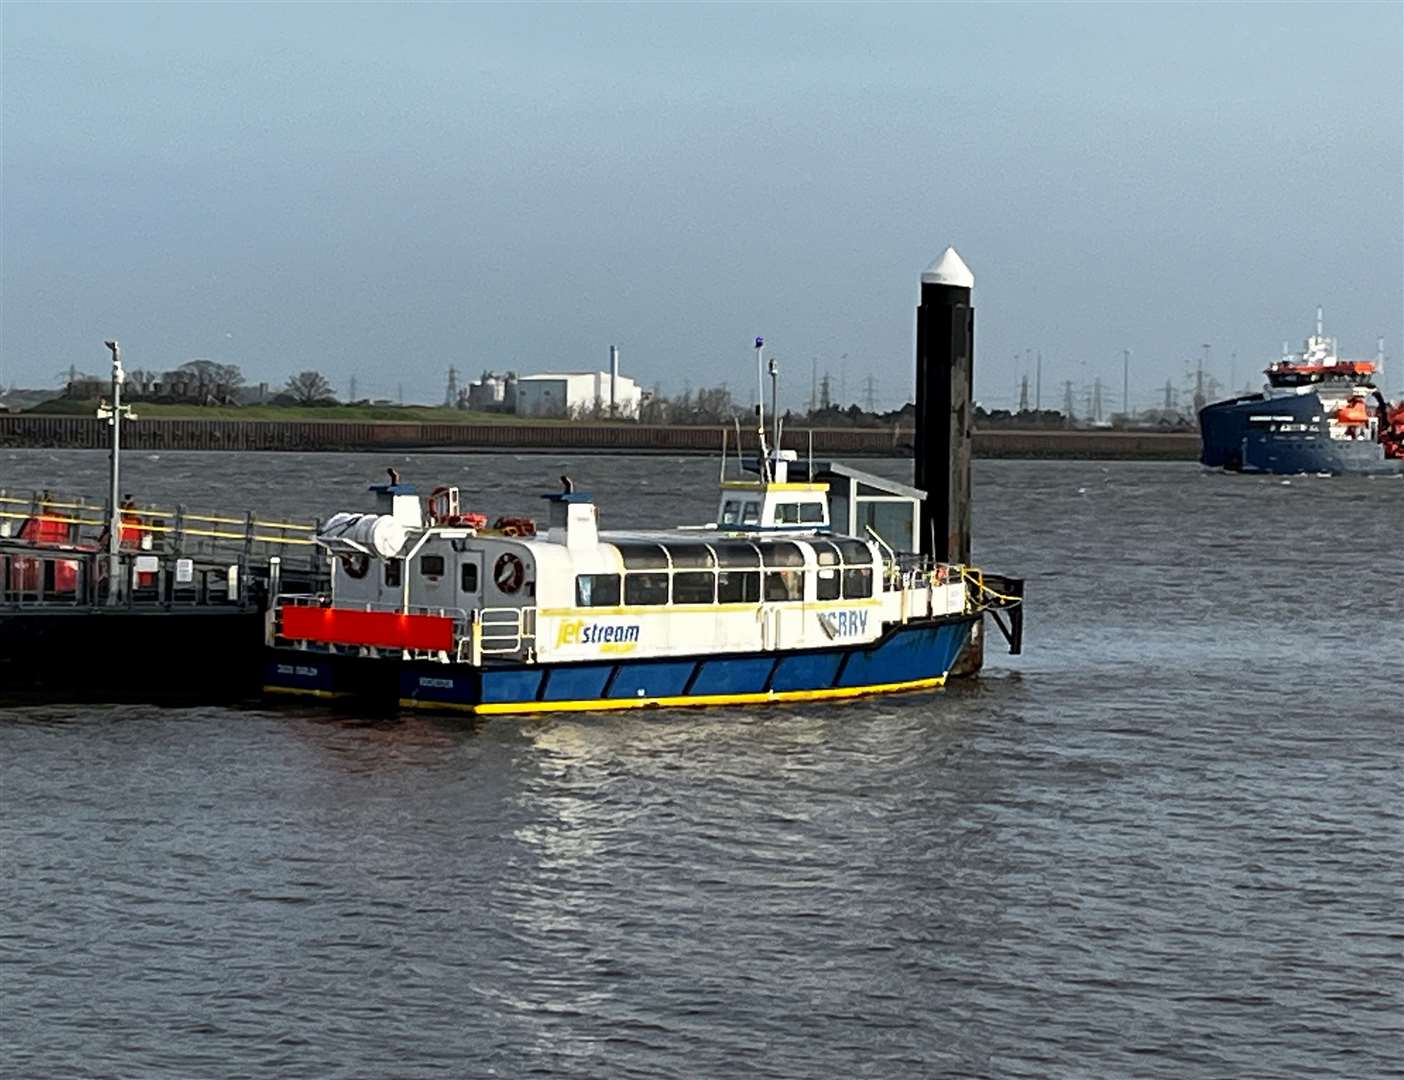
{"points": [[642, 556], [811, 513], [738, 587], [470, 577], [855, 552], [782, 553], [784, 585], [694, 587], [736, 555], [691, 556], [431, 566], [750, 514], [857, 584], [731, 512], [392, 573], [646, 588], [597, 590], [826, 586]]}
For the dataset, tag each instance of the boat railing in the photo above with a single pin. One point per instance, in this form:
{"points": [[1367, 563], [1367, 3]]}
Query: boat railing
{"points": [[463, 622], [499, 631], [906, 570]]}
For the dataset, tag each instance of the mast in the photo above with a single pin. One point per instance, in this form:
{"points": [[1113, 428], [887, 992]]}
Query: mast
{"points": [[760, 410], [114, 523], [775, 401]]}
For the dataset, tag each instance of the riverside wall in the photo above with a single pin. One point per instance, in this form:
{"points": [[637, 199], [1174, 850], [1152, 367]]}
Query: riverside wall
{"points": [[81, 432]]}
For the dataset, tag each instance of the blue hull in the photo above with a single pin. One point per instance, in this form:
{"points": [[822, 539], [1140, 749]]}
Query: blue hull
{"points": [[912, 657], [1283, 436]]}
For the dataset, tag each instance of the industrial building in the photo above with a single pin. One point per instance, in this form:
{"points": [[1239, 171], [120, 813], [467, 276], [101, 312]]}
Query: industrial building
{"points": [[577, 394], [573, 394]]}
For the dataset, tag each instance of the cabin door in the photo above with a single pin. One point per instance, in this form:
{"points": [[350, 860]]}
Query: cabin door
{"points": [[470, 580], [432, 585], [782, 626]]}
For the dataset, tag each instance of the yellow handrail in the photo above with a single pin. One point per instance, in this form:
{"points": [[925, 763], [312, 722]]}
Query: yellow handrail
{"points": [[977, 578], [51, 517], [44, 508], [145, 528]]}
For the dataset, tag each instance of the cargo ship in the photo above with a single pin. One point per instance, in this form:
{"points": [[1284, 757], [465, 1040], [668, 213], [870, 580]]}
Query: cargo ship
{"points": [[1317, 413]]}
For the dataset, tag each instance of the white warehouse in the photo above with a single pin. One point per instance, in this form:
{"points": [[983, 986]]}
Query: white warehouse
{"points": [[577, 394]]}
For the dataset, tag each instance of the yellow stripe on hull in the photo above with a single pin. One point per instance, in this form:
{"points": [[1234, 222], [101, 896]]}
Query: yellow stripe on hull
{"points": [[305, 691], [831, 693]]}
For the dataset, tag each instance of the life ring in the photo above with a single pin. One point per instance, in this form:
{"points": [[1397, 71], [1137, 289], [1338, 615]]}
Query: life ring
{"points": [[355, 566], [515, 526], [508, 573]]}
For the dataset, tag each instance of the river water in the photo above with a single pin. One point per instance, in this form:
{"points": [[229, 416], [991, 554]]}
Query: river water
{"points": [[1165, 842]]}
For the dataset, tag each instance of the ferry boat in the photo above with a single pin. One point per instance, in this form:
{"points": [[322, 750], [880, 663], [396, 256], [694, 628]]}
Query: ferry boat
{"points": [[774, 601], [1317, 413]]}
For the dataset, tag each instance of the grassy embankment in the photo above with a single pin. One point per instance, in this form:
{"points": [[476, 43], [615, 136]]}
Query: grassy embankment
{"points": [[404, 414]]}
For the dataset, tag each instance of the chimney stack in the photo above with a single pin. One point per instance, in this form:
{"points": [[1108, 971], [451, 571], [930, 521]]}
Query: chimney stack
{"points": [[613, 380]]}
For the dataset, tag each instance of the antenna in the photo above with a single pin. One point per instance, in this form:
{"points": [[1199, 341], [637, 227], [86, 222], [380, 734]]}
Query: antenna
{"points": [[775, 399], [1320, 321], [760, 409]]}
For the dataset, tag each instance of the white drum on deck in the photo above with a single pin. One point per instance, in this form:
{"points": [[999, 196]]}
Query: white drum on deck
{"points": [[380, 534]]}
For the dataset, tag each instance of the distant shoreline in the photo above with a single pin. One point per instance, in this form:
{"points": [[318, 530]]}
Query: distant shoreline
{"points": [[37, 431]]}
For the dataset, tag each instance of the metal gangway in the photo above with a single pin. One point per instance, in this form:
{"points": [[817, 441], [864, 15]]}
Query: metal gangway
{"points": [[55, 553]]}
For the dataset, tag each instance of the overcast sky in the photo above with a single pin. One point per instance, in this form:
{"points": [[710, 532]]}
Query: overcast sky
{"points": [[383, 191]]}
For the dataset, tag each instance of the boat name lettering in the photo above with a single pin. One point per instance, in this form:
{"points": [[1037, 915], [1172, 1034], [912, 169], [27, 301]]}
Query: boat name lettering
{"points": [[289, 669], [436, 684], [584, 632], [844, 623]]}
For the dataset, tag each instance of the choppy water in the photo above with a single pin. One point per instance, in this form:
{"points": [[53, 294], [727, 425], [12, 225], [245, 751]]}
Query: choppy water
{"points": [[1168, 841]]}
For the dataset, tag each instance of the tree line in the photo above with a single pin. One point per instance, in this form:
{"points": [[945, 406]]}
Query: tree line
{"points": [[201, 382]]}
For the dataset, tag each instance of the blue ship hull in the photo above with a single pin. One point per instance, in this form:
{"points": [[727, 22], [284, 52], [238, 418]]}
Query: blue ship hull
{"points": [[1283, 436], [915, 656]]}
